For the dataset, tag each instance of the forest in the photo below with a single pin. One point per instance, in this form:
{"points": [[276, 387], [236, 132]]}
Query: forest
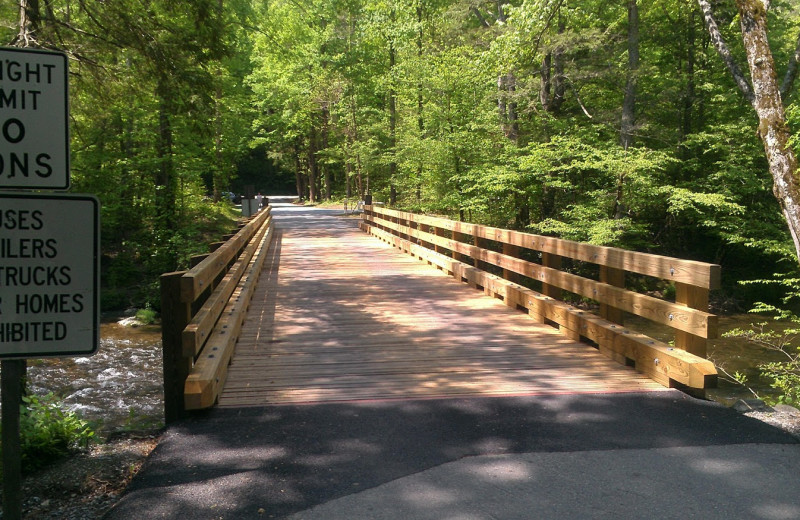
{"points": [[664, 126]]}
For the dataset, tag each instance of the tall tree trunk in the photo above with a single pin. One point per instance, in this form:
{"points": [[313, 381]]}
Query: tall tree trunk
{"points": [[313, 195], [764, 95], [689, 94], [348, 177], [218, 179], [552, 81], [507, 86], [629, 101], [392, 129], [420, 120], [298, 171], [29, 22], [768, 104], [326, 171], [166, 184]]}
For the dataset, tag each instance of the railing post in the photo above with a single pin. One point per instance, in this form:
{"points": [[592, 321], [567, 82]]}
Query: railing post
{"points": [[477, 242], [175, 315], [696, 298], [438, 232], [455, 254], [615, 277], [511, 250], [554, 262]]}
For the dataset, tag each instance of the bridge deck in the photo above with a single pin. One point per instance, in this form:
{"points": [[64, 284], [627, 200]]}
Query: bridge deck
{"points": [[338, 315]]}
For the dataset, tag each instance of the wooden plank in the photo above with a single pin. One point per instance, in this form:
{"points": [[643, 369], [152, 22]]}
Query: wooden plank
{"points": [[674, 269], [175, 314], [209, 373], [201, 276], [199, 328], [680, 317], [342, 316], [659, 361], [615, 277], [695, 298]]}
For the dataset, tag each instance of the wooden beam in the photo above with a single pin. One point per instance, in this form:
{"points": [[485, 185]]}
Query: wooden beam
{"points": [[615, 277], [673, 269], [694, 298], [679, 317], [207, 377], [201, 276], [175, 314], [661, 362]]}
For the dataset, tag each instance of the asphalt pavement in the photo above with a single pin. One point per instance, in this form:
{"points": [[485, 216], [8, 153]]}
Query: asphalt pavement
{"points": [[658, 455]]}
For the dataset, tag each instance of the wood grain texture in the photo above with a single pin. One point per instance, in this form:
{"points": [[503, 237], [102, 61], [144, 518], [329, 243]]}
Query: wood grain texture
{"points": [[668, 268], [338, 315]]}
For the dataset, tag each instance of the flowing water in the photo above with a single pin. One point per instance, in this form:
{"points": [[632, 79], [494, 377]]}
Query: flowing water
{"points": [[120, 388]]}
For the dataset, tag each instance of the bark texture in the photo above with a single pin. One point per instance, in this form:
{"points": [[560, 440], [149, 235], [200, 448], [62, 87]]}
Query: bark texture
{"points": [[768, 104]]}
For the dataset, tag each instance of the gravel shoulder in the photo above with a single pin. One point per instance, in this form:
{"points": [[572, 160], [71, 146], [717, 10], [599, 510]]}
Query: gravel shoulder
{"points": [[86, 485]]}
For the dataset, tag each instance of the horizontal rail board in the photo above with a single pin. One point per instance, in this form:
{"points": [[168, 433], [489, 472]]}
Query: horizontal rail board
{"points": [[674, 269], [658, 360], [201, 276], [677, 316], [208, 376]]}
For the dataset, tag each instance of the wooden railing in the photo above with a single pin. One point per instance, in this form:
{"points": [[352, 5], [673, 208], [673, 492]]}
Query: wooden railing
{"points": [[202, 311], [529, 272]]}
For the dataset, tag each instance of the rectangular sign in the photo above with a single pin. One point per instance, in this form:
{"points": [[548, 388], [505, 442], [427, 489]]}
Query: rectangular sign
{"points": [[49, 275], [34, 119]]}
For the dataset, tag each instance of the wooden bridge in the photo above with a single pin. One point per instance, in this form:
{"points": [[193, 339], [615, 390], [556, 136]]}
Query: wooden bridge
{"points": [[303, 305]]}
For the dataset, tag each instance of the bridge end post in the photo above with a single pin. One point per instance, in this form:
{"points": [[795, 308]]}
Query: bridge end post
{"points": [[175, 316]]}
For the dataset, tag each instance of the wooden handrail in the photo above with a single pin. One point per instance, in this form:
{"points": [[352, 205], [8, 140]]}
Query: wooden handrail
{"points": [[684, 364], [202, 313]]}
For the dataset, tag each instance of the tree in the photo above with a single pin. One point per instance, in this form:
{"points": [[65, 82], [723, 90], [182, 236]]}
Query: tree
{"points": [[767, 100]]}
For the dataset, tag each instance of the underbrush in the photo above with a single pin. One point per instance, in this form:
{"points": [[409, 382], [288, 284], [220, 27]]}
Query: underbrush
{"points": [[49, 433]]}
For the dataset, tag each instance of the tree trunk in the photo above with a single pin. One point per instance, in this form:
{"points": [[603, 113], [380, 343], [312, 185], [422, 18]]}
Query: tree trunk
{"points": [[629, 101], [420, 120], [326, 171], [29, 20], [392, 130], [689, 94], [298, 172], [313, 196], [218, 180], [767, 102], [507, 86], [553, 86], [166, 184]]}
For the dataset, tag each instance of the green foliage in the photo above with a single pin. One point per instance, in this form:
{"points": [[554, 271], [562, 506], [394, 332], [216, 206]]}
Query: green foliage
{"points": [[146, 316], [441, 102], [781, 337], [783, 375], [48, 432]]}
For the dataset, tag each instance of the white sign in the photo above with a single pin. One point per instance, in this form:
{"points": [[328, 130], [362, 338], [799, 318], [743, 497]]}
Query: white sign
{"points": [[34, 108], [49, 276]]}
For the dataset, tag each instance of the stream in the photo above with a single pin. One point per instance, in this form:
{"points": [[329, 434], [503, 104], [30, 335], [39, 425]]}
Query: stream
{"points": [[119, 388]]}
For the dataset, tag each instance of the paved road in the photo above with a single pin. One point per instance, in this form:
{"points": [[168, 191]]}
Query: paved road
{"points": [[657, 456]]}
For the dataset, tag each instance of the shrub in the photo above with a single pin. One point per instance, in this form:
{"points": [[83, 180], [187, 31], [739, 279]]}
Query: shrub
{"points": [[48, 432]]}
